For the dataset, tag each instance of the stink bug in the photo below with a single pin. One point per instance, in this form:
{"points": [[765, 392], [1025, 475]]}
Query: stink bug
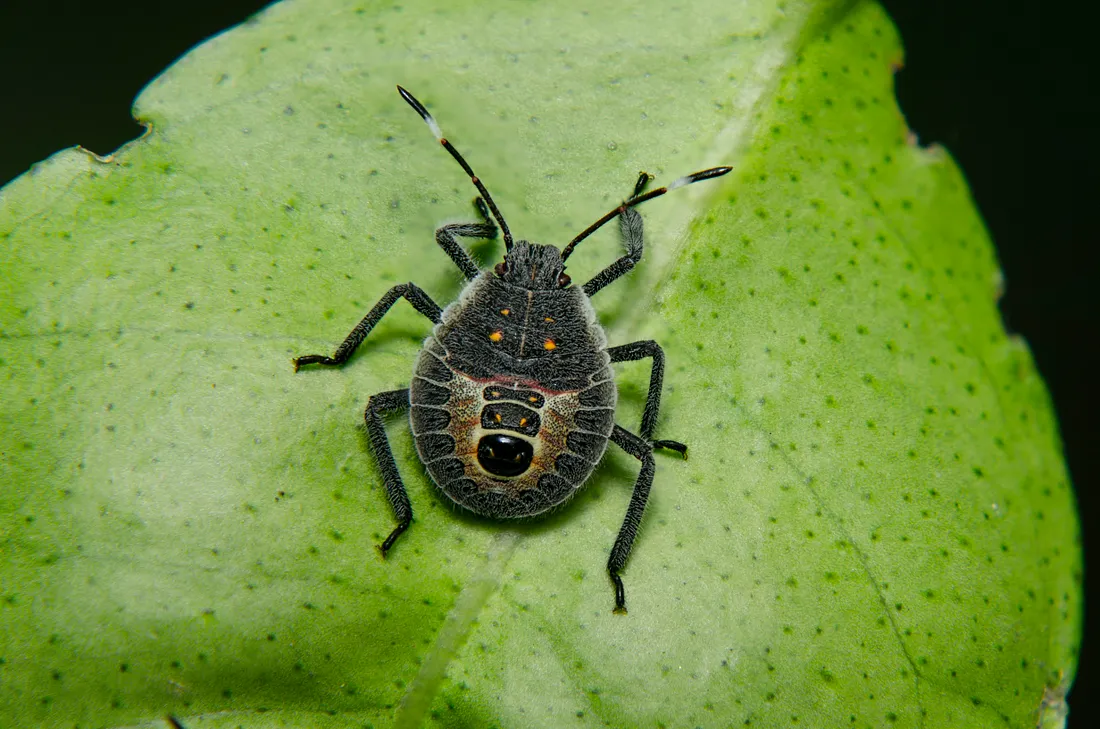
{"points": [[512, 400]]}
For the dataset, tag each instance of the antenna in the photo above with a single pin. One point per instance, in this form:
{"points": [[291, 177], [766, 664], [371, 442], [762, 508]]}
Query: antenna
{"points": [[638, 200], [419, 108]]}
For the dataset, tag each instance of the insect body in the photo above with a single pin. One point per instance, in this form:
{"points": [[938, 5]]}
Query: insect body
{"points": [[512, 400]]}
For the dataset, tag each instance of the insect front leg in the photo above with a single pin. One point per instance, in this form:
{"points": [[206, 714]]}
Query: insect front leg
{"points": [[410, 291], [445, 237], [644, 178], [630, 227], [385, 402], [642, 450]]}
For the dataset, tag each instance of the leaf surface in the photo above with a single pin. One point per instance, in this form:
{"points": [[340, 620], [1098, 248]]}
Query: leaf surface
{"points": [[875, 527]]}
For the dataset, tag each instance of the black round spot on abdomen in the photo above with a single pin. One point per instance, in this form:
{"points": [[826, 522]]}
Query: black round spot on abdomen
{"points": [[504, 455]]}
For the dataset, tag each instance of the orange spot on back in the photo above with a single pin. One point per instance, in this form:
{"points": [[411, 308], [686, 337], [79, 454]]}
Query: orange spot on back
{"points": [[496, 336], [506, 312], [549, 344]]}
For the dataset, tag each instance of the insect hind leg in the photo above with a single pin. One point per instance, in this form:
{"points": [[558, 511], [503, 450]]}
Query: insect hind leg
{"points": [[624, 542], [385, 402]]}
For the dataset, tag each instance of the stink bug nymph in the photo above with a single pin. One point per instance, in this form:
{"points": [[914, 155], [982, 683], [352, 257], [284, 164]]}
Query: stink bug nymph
{"points": [[512, 400]]}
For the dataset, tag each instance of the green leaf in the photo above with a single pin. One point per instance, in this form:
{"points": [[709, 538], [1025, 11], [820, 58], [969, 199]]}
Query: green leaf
{"points": [[875, 527]]}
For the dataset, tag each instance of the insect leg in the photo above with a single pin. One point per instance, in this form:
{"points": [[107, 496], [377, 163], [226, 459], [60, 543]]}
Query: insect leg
{"points": [[644, 178], [620, 552], [445, 237], [410, 291], [630, 227], [641, 350], [638, 200], [380, 445]]}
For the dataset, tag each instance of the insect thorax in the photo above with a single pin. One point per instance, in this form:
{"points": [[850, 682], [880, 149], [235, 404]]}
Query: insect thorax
{"points": [[513, 398]]}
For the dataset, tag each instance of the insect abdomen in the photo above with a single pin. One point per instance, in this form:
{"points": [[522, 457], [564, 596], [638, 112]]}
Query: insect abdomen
{"points": [[502, 446]]}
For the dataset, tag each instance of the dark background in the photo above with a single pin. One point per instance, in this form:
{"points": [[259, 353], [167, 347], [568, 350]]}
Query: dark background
{"points": [[1003, 85]]}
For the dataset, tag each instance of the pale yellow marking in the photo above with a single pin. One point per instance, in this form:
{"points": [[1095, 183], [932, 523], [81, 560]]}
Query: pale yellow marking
{"points": [[526, 318], [496, 336]]}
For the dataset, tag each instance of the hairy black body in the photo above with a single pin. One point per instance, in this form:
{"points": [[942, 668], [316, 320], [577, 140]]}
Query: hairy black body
{"points": [[512, 400], [549, 336]]}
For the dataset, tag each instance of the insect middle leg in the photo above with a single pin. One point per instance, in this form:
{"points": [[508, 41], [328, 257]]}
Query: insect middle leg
{"points": [[641, 350], [445, 237], [385, 402], [410, 291], [641, 449]]}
